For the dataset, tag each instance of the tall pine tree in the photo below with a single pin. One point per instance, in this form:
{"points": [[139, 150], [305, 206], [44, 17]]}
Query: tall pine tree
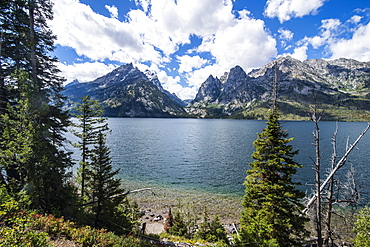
{"points": [[90, 122], [101, 183], [272, 203], [26, 42]]}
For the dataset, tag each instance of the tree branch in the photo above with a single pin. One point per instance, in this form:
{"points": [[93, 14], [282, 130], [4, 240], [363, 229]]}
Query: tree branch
{"points": [[340, 163]]}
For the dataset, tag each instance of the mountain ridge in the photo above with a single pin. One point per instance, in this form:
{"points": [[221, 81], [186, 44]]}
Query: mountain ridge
{"points": [[339, 87], [336, 86], [127, 92]]}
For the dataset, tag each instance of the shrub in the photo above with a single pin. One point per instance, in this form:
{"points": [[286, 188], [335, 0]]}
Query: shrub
{"points": [[362, 228]]}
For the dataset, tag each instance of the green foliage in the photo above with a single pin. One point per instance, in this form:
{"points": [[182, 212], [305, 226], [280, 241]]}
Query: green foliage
{"points": [[15, 224], [178, 227], [107, 200], [184, 220], [31, 87], [362, 228], [19, 227], [271, 203], [86, 129], [211, 231]]}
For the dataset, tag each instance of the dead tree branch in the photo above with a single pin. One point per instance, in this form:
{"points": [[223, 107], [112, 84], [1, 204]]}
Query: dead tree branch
{"points": [[340, 163]]}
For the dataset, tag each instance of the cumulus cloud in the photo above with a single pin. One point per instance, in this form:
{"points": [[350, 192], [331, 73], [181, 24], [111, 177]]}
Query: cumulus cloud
{"points": [[285, 10], [245, 43], [328, 31], [154, 33], [355, 19], [84, 72], [188, 63], [112, 10], [95, 36], [356, 47], [285, 34]]}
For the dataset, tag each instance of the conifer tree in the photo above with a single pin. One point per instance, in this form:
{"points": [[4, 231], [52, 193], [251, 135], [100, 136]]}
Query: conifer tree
{"points": [[212, 231], [90, 122], [272, 204], [17, 140], [26, 42], [101, 183]]}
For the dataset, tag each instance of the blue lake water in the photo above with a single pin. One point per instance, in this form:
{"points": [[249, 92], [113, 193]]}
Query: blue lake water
{"points": [[212, 155]]}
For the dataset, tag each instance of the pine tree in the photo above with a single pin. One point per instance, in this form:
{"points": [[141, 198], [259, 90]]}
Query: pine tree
{"points": [[17, 140], [102, 183], [90, 123], [212, 231], [272, 204], [26, 42]]}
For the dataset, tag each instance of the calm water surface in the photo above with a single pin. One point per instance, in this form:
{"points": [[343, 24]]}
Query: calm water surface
{"points": [[212, 155]]}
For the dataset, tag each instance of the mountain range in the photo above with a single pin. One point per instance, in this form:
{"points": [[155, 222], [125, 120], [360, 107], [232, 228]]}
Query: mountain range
{"points": [[340, 88], [127, 92]]}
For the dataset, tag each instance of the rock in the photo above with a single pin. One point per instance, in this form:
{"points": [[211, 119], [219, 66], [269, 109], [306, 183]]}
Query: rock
{"points": [[158, 218]]}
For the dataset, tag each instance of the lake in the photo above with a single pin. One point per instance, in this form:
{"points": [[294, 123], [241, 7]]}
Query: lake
{"points": [[212, 155]]}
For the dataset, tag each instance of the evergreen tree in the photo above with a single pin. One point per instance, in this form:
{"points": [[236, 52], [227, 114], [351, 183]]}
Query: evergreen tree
{"points": [[272, 204], [178, 227], [26, 42], [90, 123], [212, 231], [102, 183], [16, 141]]}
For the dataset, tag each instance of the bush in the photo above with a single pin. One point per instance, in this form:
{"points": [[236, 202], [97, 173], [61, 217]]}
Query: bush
{"points": [[212, 231], [15, 223], [362, 228]]}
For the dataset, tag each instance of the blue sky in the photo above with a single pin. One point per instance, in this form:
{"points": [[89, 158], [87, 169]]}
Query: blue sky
{"points": [[184, 41]]}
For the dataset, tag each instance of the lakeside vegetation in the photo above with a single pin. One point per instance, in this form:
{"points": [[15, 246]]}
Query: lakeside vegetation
{"points": [[41, 202]]}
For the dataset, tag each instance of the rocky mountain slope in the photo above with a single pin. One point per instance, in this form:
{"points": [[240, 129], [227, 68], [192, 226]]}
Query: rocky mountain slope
{"points": [[127, 92], [339, 87]]}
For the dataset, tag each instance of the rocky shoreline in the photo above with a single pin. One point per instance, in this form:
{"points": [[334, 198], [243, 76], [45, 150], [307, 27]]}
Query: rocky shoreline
{"points": [[154, 203]]}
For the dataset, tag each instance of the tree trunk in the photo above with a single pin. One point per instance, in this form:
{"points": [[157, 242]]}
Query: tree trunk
{"points": [[318, 220], [328, 241], [33, 43]]}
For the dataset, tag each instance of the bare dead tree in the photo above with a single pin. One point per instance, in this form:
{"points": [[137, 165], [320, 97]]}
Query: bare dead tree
{"points": [[315, 118], [328, 240], [338, 165]]}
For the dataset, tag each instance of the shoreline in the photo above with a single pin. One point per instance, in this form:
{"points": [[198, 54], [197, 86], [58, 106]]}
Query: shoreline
{"points": [[155, 203]]}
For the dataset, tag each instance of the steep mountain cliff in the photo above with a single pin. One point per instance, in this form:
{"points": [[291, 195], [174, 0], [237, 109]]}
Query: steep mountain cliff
{"points": [[339, 87], [128, 92]]}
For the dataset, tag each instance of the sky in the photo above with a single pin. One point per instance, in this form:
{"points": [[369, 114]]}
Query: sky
{"points": [[185, 41]]}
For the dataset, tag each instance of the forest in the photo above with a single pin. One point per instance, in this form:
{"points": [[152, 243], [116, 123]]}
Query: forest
{"points": [[42, 202]]}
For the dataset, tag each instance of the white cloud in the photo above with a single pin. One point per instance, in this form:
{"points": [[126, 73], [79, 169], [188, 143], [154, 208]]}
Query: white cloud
{"points": [[112, 10], [329, 30], [188, 63], [95, 36], [355, 19], [299, 53], [245, 43], [84, 72], [285, 34], [285, 10], [156, 31], [172, 85], [357, 47]]}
